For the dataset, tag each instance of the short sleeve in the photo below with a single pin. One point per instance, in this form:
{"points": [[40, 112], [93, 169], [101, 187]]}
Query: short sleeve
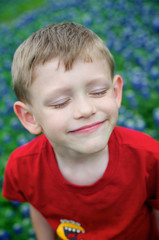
{"points": [[11, 189]]}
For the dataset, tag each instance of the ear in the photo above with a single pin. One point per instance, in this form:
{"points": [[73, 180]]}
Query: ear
{"points": [[118, 86], [26, 117]]}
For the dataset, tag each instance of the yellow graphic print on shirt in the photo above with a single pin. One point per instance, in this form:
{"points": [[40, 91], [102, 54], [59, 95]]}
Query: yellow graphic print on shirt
{"points": [[70, 230]]}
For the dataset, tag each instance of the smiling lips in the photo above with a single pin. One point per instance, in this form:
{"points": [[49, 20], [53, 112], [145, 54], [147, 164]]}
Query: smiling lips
{"points": [[88, 129]]}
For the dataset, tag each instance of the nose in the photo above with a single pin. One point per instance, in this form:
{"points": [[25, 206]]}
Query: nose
{"points": [[83, 108]]}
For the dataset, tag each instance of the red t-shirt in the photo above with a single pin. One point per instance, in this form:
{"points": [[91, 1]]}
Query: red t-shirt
{"points": [[118, 206]]}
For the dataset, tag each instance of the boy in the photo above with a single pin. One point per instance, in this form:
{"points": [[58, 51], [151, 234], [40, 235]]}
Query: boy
{"points": [[83, 177]]}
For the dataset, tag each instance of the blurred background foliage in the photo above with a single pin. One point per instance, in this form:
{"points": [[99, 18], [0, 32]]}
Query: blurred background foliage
{"points": [[10, 10], [130, 29]]}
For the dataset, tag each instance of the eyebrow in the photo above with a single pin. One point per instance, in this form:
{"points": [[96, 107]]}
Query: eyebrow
{"points": [[96, 80], [55, 93], [103, 80]]}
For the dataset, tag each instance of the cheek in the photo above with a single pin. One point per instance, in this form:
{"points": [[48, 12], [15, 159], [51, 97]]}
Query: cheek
{"points": [[54, 123], [109, 105]]}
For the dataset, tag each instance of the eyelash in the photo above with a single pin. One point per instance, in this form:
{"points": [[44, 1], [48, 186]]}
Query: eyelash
{"points": [[100, 93], [61, 105]]}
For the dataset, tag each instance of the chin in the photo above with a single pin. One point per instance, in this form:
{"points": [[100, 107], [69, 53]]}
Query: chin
{"points": [[94, 147]]}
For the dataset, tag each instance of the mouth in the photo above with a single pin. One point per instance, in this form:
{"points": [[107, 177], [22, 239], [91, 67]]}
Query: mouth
{"points": [[87, 128], [71, 233], [70, 230]]}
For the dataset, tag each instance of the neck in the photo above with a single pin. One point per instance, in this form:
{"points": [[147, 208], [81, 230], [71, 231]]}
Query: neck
{"points": [[82, 169]]}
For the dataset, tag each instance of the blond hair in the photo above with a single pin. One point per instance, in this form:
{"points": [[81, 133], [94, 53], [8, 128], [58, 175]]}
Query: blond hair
{"points": [[66, 41]]}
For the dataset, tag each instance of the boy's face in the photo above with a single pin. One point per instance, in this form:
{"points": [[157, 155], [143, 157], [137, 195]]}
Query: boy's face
{"points": [[77, 109]]}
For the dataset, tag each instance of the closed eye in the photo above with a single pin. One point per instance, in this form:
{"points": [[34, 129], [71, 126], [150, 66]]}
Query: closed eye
{"points": [[98, 93], [60, 104]]}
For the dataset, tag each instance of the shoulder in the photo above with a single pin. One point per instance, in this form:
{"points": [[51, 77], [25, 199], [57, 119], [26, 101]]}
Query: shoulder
{"points": [[28, 154], [138, 151], [24, 162], [31, 148], [23, 167], [136, 139]]}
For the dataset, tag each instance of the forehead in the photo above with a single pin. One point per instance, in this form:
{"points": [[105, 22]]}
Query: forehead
{"points": [[55, 70]]}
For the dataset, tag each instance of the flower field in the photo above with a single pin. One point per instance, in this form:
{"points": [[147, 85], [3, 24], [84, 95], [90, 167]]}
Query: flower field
{"points": [[130, 29]]}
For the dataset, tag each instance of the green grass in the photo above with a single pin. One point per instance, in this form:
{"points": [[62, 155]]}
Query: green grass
{"points": [[9, 10]]}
